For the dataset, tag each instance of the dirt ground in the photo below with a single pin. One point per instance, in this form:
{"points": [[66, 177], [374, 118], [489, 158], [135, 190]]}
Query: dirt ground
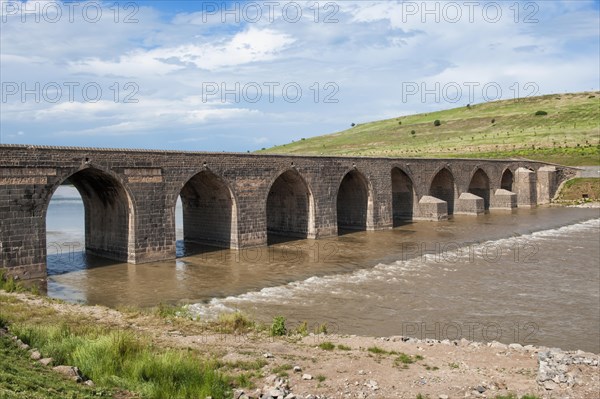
{"points": [[398, 367]]}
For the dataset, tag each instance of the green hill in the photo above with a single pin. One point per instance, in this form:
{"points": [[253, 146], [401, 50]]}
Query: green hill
{"points": [[568, 134]]}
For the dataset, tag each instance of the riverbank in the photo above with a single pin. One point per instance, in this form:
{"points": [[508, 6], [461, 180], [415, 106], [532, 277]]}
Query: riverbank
{"points": [[245, 357], [579, 190]]}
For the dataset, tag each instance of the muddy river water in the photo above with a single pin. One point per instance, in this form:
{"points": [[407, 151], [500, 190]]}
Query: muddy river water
{"points": [[530, 276]]}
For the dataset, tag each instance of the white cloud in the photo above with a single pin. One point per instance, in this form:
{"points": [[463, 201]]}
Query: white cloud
{"points": [[373, 50], [252, 45]]}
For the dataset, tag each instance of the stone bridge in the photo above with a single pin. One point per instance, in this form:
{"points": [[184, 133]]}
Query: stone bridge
{"points": [[241, 200]]}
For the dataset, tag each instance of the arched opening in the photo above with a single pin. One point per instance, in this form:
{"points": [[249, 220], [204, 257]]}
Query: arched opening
{"points": [[288, 208], [402, 196], [208, 214], [507, 180], [442, 187], [89, 214], [352, 202], [480, 186]]}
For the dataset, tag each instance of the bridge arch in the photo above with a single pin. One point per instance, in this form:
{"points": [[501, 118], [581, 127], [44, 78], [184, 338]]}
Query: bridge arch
{"points": [[507, 180], [480, 186], [108, 211], [443, 187], [403, 196], [209, 211], [354, 202], [289, 207]]}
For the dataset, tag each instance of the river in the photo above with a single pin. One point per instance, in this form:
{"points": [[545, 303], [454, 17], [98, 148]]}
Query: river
{"points": [[530, 276]]}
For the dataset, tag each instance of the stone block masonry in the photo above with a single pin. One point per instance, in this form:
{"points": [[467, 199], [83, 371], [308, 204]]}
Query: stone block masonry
{"points": [[238, 200], [469, 204]]}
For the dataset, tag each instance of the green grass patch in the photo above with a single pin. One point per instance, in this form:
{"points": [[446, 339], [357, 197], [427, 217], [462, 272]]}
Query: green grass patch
{"points": [[327, 346], [231, 323], [580, 189], [120, 359], [169, 311], [9, 284], [244, 380], [22, 378], [321, 329], [244, 365], [278, 328], [377, 350], [302, 329], [321, 378], [403, 358], [281, 370], [343, 347]]}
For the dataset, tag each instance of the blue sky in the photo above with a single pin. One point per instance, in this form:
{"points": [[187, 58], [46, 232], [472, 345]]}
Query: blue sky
{"points": [[238, 76]]}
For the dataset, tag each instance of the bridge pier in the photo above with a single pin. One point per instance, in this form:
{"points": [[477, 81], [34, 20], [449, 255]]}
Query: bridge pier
{"points": [[525, 184], [22, 221], [503, 199], [546, 184], [432, 209], [469, 204]]}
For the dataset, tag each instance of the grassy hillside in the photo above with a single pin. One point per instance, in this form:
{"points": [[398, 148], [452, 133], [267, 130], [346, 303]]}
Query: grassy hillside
{"points": [[580, 189], [568, 134]]}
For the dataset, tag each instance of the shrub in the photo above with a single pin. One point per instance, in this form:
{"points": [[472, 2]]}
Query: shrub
{"points": [[9, 284], [281, 370], [353, 124], [344, 347], [404, 359], [327, 346], [377, 350], [168, 311], [437, 122], [234, 322], [3, 321], [278, 326], [413, 132], [493, 121], [540, 113], [321, 329], [302, 329], [243, 381]]}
